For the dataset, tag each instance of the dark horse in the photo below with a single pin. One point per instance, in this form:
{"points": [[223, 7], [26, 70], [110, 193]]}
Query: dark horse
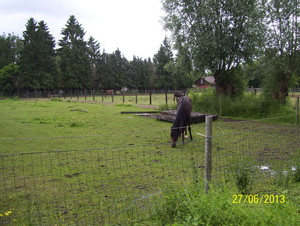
{"points": [[182, 120], [109, 92], [177, 94]]}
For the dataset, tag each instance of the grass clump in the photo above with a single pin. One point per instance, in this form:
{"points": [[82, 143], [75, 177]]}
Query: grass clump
{"points": [[164, 107], [124, 105]]}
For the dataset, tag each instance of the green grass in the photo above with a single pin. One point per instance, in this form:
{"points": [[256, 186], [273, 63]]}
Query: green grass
{"points": [[95, 166]]}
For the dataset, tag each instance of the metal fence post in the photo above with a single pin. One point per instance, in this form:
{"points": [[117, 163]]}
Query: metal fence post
{"points": [[208, 147]]}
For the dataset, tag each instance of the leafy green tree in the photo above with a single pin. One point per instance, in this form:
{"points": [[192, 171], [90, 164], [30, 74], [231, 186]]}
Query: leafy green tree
{"points": [[283, 43], [75, 64], [181, 70], [217, 35], [161, 59], [37, 59], [254, 73], [9, 77], [10, 47]]}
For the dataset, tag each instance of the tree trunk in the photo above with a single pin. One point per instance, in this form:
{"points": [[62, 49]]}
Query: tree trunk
{"points": [[283, 91]]}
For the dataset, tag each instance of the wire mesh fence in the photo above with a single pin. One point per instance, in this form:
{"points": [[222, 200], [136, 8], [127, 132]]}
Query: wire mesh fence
{"points": [[256, 158], [89, 185]]}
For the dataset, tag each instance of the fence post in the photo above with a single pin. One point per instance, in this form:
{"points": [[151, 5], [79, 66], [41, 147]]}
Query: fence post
{"points": [[150, 96], [297, 110], [166, 96], [208, 147], [112, 95], [220, 105], [136, 94], [85, 94], [123, 96], [93, 94], [102, 94]]}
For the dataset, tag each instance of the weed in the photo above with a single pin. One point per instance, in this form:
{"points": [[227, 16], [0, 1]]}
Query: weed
{"points": [[297, 172], [16, 98], [244, 176]]}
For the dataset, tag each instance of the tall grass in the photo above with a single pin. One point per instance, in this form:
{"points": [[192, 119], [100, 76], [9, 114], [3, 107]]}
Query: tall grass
{"points": [[192, 206], [248, 105]]}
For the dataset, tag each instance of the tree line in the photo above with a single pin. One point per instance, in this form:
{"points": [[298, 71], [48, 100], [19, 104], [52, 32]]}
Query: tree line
{"points": [[239, 42], [33, 63]]}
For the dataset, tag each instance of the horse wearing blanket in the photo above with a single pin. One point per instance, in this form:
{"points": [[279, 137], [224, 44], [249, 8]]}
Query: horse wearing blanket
{"points": [[182, 120]]}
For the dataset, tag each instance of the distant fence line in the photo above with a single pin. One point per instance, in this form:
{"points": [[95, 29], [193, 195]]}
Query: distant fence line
{"points": [[101, 186], [100, 92], [63, 94]]}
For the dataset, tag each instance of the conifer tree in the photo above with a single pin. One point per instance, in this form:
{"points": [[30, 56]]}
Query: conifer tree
{"points": [[75, 65], [161, 58], [37, 59]]}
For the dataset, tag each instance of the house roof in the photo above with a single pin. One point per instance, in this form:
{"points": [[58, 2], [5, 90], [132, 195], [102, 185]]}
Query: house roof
{"points": [[209, 79]]}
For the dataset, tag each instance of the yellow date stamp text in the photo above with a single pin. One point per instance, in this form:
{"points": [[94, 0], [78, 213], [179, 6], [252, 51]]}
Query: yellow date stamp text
{"points": [[256, 199]]}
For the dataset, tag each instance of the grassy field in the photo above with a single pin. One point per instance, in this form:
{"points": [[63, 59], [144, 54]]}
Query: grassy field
{"points": [[75, 163]]}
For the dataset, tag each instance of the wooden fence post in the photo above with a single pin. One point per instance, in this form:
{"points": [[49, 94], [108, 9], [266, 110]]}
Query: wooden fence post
{"points": [[150, 96], [297, 110], [112, 95], [208, 147], [166, 96], [123, 96], [102, 94], [136, 94], [85, 94], [93, 94], [220, 105]]}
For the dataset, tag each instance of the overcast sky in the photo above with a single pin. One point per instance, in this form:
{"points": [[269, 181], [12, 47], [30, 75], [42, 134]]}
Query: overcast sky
{"points": [[133, 26]]}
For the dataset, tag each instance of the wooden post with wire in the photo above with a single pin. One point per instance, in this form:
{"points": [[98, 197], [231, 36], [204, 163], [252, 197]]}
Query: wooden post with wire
{"points": [[297, 110], [208, 147]]}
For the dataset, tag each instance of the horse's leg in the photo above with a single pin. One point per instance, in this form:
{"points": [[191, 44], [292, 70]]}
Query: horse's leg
{"points": [[185, 129], [182, 135], [190, 130]]}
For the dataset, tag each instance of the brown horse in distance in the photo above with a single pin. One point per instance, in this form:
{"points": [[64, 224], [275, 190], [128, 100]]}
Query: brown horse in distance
{"points": [[177, 94], [182, 120], [109, 92]]}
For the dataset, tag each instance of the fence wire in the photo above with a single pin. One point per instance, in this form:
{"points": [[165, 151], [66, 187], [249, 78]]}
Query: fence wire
{"points": [[88, 185], [92, 186], [256, 158]]}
